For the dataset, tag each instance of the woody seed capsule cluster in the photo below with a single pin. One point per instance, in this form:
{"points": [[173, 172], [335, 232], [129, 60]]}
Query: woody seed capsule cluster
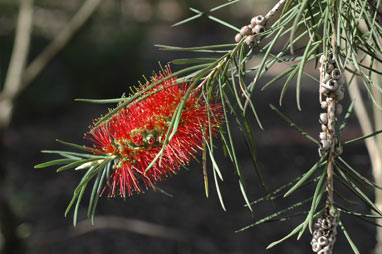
{"points": [[325, 232], [333, 89], [256, 26]]}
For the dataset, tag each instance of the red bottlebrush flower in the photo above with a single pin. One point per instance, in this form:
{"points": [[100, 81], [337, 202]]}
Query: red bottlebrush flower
{"points": [[135, 134]]}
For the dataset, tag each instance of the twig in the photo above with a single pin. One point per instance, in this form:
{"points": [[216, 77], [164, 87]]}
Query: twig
{"points": [[125, 224], [274, 9], [132, 225], [371, 143], [60, 41], [18, 59]]}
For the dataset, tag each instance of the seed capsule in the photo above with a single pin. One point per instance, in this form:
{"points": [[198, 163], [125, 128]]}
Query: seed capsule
{"points": [[324, 118], [322, 240], [341, 80], [338, 109], [333, 212], [245, 30], [324, 90], [316, 234], [258, 29], [329, 67], [325, 146], [250, 40], [326, 78], [322, 58], [331, 58], [323, 252], [331, 239], [316, 247], [323, 136], [340, 90], [324, 104], [331, 85], [238, 37], [340, 97], [326, 224], [258, 20], [324, 127], [336, 74]]}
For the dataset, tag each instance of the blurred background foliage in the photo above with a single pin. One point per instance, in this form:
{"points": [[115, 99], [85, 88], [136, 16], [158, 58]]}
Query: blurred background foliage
{"points": [[109, 54]]}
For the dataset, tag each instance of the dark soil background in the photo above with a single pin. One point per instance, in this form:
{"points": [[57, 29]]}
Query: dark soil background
{"points": [[111, 53]]}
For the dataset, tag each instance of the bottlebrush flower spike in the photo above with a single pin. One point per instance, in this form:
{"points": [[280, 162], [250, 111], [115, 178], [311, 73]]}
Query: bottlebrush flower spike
{"points": [[135, 134]]}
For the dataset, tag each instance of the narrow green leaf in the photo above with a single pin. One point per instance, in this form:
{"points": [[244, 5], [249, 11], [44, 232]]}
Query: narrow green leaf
{"points": [[208, 48], [224, 5], [53, 162], [292, 124], [304, 59], [218, 190], [73, 155], [84, 148], [318, 192], [76, 163], [232, 150], [354, 248], [287, 83], [277, 78], [182, 61], [274, 215], [363, 137], [75, 214], [100, 186], [353, 188], [355, 172], [277, 193], [347, 116], [305, 176], [102, 101], [295, 23], [188, 19], [293, 232], [94, 192], [78, 190]]}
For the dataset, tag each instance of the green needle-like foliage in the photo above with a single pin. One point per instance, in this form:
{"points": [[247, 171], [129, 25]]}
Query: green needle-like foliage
{"points": [[302, 32]]}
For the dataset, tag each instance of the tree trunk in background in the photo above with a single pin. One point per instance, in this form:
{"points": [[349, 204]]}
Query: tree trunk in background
{"points": [[377, 172], [373, 144], [11, 243]]}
